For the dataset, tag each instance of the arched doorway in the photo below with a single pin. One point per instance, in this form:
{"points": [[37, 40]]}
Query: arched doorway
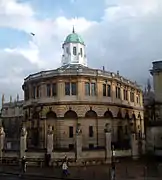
{"points": [[127, 130], [35, 130], [51, 120], [70, 120], [109, 116], [92, 129], [133, 123], [120, 136]]}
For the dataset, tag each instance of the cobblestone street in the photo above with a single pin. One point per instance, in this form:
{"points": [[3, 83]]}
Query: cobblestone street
{"points": [[124, 170]]}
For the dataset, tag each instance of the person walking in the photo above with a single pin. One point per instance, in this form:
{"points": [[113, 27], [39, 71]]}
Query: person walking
{"points": [[23, 164], [65, 168], [113, 171]]}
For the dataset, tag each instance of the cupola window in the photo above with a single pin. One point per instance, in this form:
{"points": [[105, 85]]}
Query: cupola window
{"points": [[74, 51], [81, 52]]}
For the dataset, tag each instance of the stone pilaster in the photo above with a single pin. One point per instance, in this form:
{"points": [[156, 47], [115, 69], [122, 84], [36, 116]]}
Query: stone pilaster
{"points": [[78, 142], [50, 139], [60, 89], [80, 89], [108, 152], [113, 92], [134, 146], [23, 142], [2, 138]]}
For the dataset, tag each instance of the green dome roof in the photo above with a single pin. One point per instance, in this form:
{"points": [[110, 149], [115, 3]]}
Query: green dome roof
{"points": [[74, 38]]}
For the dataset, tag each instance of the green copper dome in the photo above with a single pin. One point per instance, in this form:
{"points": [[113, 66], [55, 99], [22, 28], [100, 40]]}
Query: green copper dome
{"points": [[73, 38]]}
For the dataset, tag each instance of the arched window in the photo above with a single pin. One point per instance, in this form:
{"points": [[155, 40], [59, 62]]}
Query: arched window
{"points": [[119, 115], [70, 115], [108, 114], [51, 115], [127, 115], [91, 114], [74, 51], [81, 52]]}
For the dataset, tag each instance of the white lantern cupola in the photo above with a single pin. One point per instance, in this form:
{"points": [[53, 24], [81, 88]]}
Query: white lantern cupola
{"points": [[74, 50]]}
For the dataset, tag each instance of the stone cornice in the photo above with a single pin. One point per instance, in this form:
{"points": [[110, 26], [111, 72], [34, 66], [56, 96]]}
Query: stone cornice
{"points": [[87, 103]]}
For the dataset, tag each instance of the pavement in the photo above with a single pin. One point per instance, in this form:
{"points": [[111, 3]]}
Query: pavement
{"points": [[132, 170]]}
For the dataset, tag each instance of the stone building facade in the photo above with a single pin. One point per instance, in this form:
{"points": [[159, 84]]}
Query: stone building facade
{"points": [[12, 118], [76, 94]]}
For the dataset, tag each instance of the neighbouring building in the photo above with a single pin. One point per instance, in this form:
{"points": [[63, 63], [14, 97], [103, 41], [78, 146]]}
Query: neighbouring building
{"points": [[148, 102], [153, 112], [12, 117], [75, 93]]}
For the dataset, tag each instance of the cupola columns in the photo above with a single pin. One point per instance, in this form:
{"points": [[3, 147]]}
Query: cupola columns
{"points": [[74, 50]]}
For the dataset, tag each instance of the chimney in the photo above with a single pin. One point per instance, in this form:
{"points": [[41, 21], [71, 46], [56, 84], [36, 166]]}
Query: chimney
{"points": [[103, 68]]}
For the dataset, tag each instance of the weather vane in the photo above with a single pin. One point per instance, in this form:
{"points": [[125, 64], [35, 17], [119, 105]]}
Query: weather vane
{"points": [[75, 17]]}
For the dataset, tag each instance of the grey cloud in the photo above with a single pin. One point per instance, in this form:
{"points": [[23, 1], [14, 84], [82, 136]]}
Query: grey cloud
{"points": [[128, 45], [14, 68]]}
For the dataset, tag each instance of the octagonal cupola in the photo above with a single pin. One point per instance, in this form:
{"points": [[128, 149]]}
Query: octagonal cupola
{"points": [[74, 50]]}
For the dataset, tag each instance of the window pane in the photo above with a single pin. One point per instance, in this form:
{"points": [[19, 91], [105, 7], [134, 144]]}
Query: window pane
{"points": [[67, 88], [137, 99], [54, 89], [26, 93], [48, 90], [108, 90], [104, 89], [34, 93], [93, 89], [119, 93], [126, 95], [81, 52], [70, 132], [74, 51], [132, 96], [87, 89], [116, 92], [38, 91], [73, 89], [90, 131]]}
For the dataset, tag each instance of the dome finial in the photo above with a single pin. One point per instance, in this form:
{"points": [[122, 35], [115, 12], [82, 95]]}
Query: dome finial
{"points": [[73, 30]]}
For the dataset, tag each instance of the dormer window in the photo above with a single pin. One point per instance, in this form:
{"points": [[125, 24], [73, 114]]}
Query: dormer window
{"points": [[74, 51]]}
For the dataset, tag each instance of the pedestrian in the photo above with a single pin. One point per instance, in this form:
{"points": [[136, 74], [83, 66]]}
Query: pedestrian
{"points": [[113, 171], [23, 164], [65, 168]]}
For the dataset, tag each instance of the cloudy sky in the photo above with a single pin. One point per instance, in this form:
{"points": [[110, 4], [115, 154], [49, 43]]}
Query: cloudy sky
{"points": [[124, 35]]}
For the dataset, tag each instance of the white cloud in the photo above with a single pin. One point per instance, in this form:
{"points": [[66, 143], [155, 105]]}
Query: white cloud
{"points": [[11, 7], [128, 37]]}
